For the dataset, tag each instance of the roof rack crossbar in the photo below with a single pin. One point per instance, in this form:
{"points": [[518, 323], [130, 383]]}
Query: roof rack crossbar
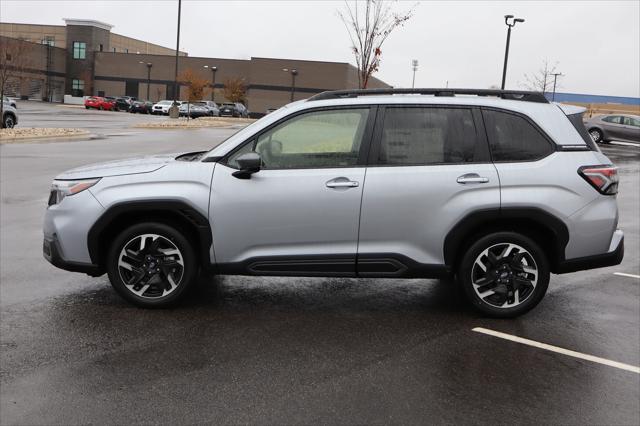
{"points": [[516, 95]]}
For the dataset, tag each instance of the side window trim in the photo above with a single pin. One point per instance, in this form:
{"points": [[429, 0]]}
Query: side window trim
{"points": [[481, 137], [553, 146], [364, 146]]}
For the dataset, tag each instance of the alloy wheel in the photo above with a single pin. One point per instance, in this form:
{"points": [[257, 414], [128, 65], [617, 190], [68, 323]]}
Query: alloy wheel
{"points": [[8, 122], [504, 275], [151, 266], [595, 135]]}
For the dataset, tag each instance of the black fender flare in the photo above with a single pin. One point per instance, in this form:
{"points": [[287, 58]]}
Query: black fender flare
{"points": [[489, 219], [174, 210]]}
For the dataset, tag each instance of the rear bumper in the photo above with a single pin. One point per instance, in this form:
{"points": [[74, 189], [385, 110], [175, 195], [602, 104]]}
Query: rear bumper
{"points": [[613, 257], [51, 252]]}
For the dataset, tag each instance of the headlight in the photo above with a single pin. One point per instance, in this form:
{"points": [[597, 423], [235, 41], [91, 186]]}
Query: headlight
{"points": [[64, 188]]}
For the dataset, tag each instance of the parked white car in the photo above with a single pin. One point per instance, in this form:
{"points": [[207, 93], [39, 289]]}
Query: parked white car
{"points": [[162, 107]]}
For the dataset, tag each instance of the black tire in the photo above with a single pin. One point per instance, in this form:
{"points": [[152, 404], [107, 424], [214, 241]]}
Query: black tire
{"points": [[596, 135], [148, 296], [504, 274], [8, 121]]}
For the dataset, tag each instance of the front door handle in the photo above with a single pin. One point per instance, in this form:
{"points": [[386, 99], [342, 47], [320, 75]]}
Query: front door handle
{"points": [[342, 182], [472, 178]]}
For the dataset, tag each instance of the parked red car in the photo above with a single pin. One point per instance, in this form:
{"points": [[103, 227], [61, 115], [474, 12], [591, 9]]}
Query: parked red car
{"points": [[98, 102]]}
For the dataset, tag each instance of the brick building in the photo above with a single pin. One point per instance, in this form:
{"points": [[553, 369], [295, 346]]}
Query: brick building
{"points": [[83, 57]]}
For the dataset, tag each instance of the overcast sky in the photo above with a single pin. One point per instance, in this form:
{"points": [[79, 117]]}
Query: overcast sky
{"points": [[596, 44]]}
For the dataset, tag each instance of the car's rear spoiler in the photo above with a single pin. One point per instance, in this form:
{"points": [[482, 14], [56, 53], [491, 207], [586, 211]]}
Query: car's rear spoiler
{"points": [[571, 109]]}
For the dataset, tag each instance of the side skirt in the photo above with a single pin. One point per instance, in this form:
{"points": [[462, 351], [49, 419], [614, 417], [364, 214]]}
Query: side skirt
{"points": [[382, 265]]}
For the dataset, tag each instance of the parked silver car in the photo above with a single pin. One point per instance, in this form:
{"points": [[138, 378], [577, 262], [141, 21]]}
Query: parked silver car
{"points": [[498, 190], [620, 127], [10, 101]]}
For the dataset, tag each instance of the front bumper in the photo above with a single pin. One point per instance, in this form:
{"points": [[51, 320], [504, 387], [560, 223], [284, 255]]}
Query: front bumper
{"points": [[51, 251], [613, 257]]}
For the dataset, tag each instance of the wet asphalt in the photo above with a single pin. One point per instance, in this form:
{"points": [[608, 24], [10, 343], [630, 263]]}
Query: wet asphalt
{"points": [[293, 350]]}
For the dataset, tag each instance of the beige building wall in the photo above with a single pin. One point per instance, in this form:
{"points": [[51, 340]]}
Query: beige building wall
{"points": [[35, 33], [124, 44]]}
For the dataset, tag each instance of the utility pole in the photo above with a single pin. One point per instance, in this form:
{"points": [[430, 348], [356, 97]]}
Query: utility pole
{"points": [[294, 73], [555, 78], [149, 65], [509, 22], [414, 66], [213, 82]]}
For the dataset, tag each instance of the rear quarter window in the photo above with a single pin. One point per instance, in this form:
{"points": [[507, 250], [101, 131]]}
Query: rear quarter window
{"points": [[578, 123], [513, 138]]}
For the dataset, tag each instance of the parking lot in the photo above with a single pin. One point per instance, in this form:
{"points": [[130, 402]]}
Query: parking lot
{"points": [[293, 350]]}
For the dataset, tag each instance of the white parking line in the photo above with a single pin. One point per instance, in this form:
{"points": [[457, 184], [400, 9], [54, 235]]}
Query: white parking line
{"points": [[625, 143], [622, 274], [559, 350]]}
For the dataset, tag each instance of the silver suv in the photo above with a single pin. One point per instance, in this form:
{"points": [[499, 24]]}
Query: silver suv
{"points": [[496, 188]]}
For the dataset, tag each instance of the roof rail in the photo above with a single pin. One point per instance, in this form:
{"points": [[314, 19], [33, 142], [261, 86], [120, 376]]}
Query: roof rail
{"points": [[515, 95]]}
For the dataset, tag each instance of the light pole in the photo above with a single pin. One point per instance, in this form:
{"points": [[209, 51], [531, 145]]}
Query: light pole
{"points": [[175, 75], [294, 73], [213, 81], [555, 78], [149, 65], [510, 21], [414, 66]]}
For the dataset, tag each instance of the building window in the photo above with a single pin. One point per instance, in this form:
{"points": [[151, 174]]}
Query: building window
{"points": [[114, 50], [101, 47], [49, 41], [77, 87], [79, 50]]}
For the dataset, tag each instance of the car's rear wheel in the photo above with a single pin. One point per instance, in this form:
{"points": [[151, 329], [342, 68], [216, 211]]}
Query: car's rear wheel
{"points": [[152, 265], [596, 135], [504, 274]]}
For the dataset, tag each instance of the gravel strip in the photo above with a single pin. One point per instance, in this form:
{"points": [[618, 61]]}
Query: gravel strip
{"points": [[23, 134], [195, 123]]}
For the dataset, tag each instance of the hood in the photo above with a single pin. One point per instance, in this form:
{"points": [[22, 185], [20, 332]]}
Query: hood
{"points": [[119, 167]]}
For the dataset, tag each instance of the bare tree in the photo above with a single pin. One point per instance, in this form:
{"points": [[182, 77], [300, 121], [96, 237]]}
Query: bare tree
{"points": [[235, 90], [368, 27], [13, 61], [541, 80], [195, 84]]}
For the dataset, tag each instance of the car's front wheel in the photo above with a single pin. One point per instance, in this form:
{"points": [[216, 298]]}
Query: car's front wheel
{"points": [[504, 274], [151, 265]]}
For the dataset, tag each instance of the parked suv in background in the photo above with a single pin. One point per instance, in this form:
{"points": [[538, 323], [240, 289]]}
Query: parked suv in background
{"points": [[500, 190], [162, 107], [233, 110], [621, 127]]}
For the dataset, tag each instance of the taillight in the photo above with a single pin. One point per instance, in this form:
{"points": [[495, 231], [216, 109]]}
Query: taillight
{"points": [[603, 178]]}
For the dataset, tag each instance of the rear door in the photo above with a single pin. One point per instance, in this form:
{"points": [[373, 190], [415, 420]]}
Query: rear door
{"points": [[614, 127], [631, 129], [429, 167]]}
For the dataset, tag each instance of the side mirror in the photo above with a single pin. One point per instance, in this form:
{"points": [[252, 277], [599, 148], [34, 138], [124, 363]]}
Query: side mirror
{"points": [[249, 164]]}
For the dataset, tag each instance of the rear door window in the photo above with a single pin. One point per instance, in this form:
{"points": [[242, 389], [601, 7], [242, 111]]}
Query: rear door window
{"points": [[427, 135], [513, 138]]}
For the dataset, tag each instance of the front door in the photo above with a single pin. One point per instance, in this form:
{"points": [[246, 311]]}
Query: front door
{"points": [[429, 168], [299, 214]]}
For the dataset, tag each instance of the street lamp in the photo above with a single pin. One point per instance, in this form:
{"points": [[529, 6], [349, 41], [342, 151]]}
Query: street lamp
{"points": [[510, 21], [175, 75], [555, 77], [213, 81], [414, 66], [149, 65], [294, 73]]}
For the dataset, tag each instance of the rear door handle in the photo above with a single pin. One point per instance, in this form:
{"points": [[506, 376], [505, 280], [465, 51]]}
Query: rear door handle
{"points": [[342, 182], [471, 178]]}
